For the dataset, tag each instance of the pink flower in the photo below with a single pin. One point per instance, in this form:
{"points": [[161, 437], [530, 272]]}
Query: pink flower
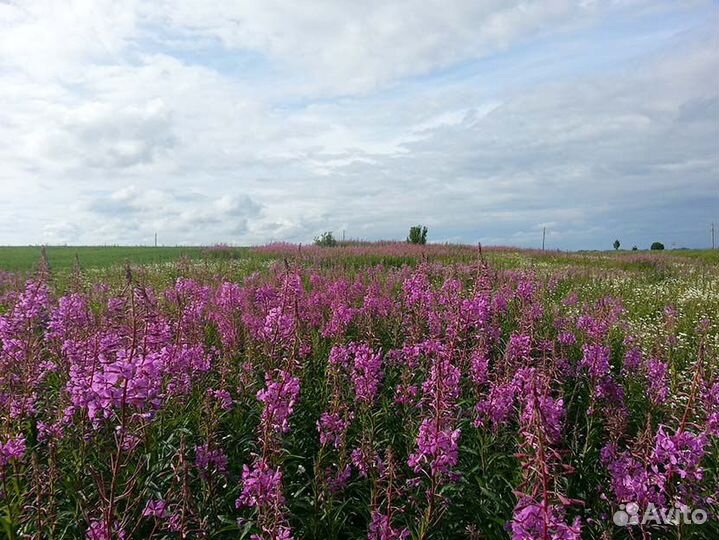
{"points": [[535, 520], [12, 450], [279, 398], [596, 360], [658, 379], [261, 486], [380, 528], [155, 508], [367, 372], [332, 428], [206, 458], [438, 449]]}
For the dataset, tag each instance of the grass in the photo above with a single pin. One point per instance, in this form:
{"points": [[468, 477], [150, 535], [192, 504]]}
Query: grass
{"points": [[63, 258], [26, 258]]}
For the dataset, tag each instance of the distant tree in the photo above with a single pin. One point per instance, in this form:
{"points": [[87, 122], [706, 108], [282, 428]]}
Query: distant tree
{"points": [[657, 246], [635, 248], [326, 239], [417, 235], [616, 245]]}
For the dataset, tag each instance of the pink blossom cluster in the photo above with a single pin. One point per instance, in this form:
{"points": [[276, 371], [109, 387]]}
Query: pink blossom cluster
{"points": [[324, 398]]}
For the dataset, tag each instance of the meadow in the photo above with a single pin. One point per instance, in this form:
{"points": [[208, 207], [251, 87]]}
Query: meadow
{"points": [[380, 391], [63, 258]]}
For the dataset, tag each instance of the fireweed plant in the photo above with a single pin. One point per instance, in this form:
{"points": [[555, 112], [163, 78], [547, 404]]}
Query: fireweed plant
{"points": [[427, 392]]}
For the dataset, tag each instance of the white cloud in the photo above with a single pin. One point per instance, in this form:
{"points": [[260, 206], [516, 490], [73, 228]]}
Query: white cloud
{"points": [[123, 119], [345, 46], [52, 38]]}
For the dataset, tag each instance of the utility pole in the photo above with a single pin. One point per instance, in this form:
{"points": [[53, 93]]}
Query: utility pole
{"points": [[155, 239], [544, 233], [712, 235]]}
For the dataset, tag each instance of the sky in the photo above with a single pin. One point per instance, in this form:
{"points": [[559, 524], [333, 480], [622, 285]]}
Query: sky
{"points": [[253, 121]]}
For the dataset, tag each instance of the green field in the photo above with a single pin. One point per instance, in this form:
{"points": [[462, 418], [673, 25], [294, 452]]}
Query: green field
{"points": [[26, 258], [64, 258]]}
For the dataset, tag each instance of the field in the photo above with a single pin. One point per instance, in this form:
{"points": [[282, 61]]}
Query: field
{"points": [[381, 391], [61, 258]]}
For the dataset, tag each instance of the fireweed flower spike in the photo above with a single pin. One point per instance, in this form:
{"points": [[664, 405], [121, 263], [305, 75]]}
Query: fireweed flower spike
{"points": [[381, 390]]}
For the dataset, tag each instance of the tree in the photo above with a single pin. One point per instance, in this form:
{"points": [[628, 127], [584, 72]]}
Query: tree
{"points": [[657, 246], [635, 248], [616, 245], [326, 239], [417, 235]]}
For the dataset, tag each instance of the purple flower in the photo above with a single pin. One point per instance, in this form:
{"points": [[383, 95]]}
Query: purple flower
{"points": [[380, 528], [332, 428], [367, 372], [498, 405], [679, 454], [155, 508], [279, 327], [279, 398], [658, 379], [519, 347], [12, 450], [417, 290], [675, 462], [442, 388], [261, 486], [223, 397], [337, 482], [437, 448], [364, 459], [535, 521], [526, 289], [610, 391], [551, 414], [341, 318], [630, 479], [340, 356], [405, 394], [98, 531], [596, 360], [632, 359], [479, 367], [205, 459]]}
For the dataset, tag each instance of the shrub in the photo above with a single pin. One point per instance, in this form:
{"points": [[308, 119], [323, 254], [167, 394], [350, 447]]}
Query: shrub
{"points": [[657, 246], [417, 235], [326, 239]]}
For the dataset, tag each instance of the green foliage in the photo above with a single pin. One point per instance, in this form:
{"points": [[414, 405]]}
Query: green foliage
{"points": [[417, 235], [616, 245], [326, 239], [657, 246]]}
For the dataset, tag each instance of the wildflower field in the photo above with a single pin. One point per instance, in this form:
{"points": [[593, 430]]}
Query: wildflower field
{"points": [[380, 391]]}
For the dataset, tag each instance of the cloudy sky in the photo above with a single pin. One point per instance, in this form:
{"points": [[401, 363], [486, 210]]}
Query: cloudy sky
{"points": [[258, 120]]}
